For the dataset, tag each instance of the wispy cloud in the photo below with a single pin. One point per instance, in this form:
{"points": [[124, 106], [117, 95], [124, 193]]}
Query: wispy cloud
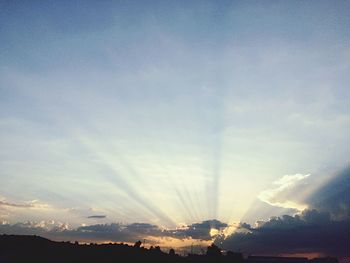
{"points": [[24, 205], [34, 204]]}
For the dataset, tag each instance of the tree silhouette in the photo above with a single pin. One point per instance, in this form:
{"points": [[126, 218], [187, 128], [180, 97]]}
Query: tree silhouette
{"points": [[213, 251], [40, 250], [138, 244]]}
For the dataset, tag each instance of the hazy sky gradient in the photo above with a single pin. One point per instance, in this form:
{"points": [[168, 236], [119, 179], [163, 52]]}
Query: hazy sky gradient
{"points": [[168, 112]]}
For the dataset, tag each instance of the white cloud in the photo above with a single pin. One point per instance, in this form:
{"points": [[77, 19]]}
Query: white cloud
{"points": [[33, 204], [285, 192]]}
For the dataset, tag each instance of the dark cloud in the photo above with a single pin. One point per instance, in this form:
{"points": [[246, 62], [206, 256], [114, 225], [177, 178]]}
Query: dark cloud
{"points": [[311, 231], [264, 211], [97, 216], [144, 229], [32, 228], [112, 232], [100, 228], [21, 229], [92, 233], [115, 232], [202, 230], [334, 196], [244, 226], [324, 228]]}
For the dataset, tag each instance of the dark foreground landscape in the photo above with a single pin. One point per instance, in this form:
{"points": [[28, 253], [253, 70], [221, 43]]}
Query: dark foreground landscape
{"points": [[16, 248]]}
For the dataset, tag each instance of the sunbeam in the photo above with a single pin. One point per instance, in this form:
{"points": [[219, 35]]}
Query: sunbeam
{"points": [[176, 123]]}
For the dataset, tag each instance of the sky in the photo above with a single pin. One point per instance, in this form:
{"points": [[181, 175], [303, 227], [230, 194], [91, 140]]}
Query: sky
{"points": [[175, 120]]}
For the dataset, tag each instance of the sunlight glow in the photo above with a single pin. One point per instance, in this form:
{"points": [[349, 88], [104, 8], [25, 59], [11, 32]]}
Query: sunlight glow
{"points": [[158, 114], [214, 232], [229, 230], [283, 194]]}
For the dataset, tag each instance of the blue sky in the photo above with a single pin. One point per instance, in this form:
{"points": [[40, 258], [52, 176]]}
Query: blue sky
{"points": [[170, 113]]}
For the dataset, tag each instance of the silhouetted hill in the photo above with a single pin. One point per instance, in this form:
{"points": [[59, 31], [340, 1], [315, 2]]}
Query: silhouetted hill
{"points": [[15, 248]]}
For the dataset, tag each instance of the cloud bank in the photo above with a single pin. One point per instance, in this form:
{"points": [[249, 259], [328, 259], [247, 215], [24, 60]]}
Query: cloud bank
{"points": [[115, 232], [323, 228], [311, 231]]}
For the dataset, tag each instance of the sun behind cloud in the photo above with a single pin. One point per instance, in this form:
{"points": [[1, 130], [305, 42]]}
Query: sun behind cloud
{"points": [[286, 192]]}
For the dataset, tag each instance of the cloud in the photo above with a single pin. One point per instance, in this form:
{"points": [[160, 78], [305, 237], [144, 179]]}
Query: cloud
{"points": [[200, 231], [310, 231], [97, 216], [203, 230], [35, 204], [284, 193], [244, 226], [23, 205], [334, 196], [115, 232], [33, 228], [143, 228], [322, 228]]}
